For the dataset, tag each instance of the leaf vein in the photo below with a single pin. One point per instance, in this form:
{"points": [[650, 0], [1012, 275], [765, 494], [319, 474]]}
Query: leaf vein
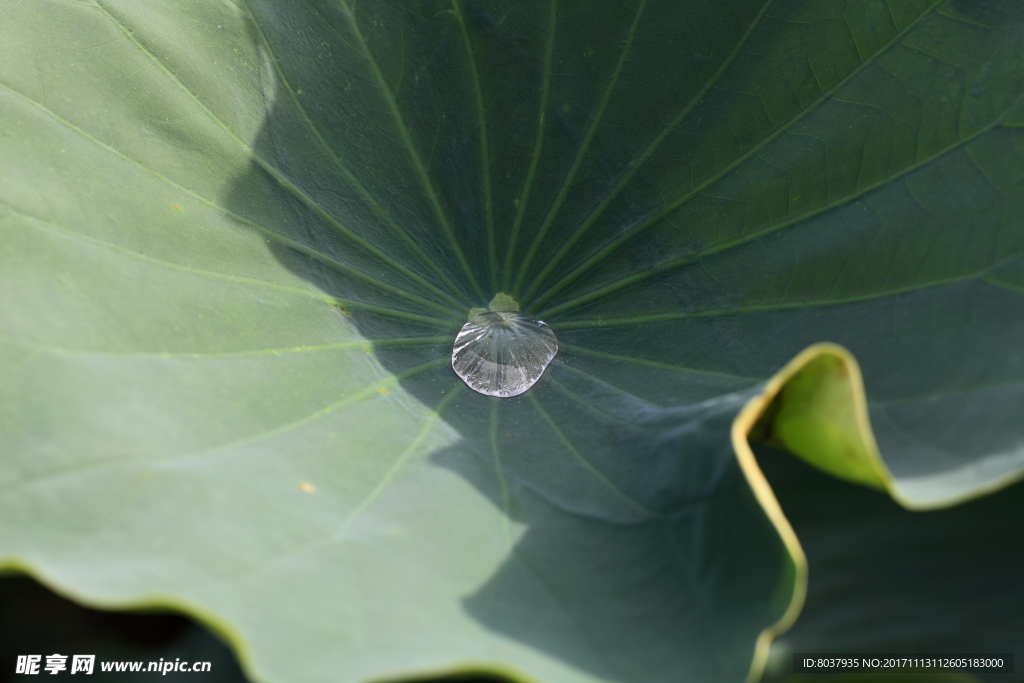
{"points": [[581, 153], [652, 147], [298, 246], [268, 167], [672, 206], [861, 191]]}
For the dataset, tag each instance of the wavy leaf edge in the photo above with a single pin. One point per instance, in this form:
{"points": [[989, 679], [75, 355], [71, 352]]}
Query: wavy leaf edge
{"points": [[815, 408]]}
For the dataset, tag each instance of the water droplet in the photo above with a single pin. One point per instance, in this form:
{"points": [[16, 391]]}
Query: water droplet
{"points": [[503, 353]]}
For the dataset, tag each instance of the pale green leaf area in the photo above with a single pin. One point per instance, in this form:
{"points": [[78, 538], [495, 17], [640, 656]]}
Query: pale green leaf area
{"points": [[238, 239]]}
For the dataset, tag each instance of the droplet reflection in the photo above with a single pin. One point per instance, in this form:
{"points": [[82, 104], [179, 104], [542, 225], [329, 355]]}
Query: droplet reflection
{"points": [[503, 353]]}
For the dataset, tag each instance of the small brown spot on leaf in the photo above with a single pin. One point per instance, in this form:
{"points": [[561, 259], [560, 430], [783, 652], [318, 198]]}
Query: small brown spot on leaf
{"points": [[339, 307]]}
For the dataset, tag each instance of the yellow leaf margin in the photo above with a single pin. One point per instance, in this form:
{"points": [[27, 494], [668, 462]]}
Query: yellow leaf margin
{"points": [[814, 407]]}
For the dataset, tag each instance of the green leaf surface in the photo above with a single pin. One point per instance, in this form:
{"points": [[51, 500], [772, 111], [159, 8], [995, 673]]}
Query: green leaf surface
{"points": [[238, 240]]}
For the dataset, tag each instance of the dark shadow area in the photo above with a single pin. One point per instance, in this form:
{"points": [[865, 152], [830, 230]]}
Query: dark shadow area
{"points": [[469, 677], [36, 621], [884, 579], [632, 601]]}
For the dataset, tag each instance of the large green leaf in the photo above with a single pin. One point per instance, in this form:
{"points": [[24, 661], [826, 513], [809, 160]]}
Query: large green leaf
{"points": [[238, 240]]}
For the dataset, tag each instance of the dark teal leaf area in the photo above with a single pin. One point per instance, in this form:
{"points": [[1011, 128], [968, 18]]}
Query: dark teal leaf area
{"points": [[688, 193]]}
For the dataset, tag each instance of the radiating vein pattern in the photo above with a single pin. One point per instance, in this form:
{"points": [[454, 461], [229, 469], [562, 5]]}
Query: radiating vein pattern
{"points": [[787, 119], [651, 187]]}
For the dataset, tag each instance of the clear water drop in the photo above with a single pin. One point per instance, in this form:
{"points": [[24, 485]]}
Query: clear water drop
{"points": [[503, 353]]}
